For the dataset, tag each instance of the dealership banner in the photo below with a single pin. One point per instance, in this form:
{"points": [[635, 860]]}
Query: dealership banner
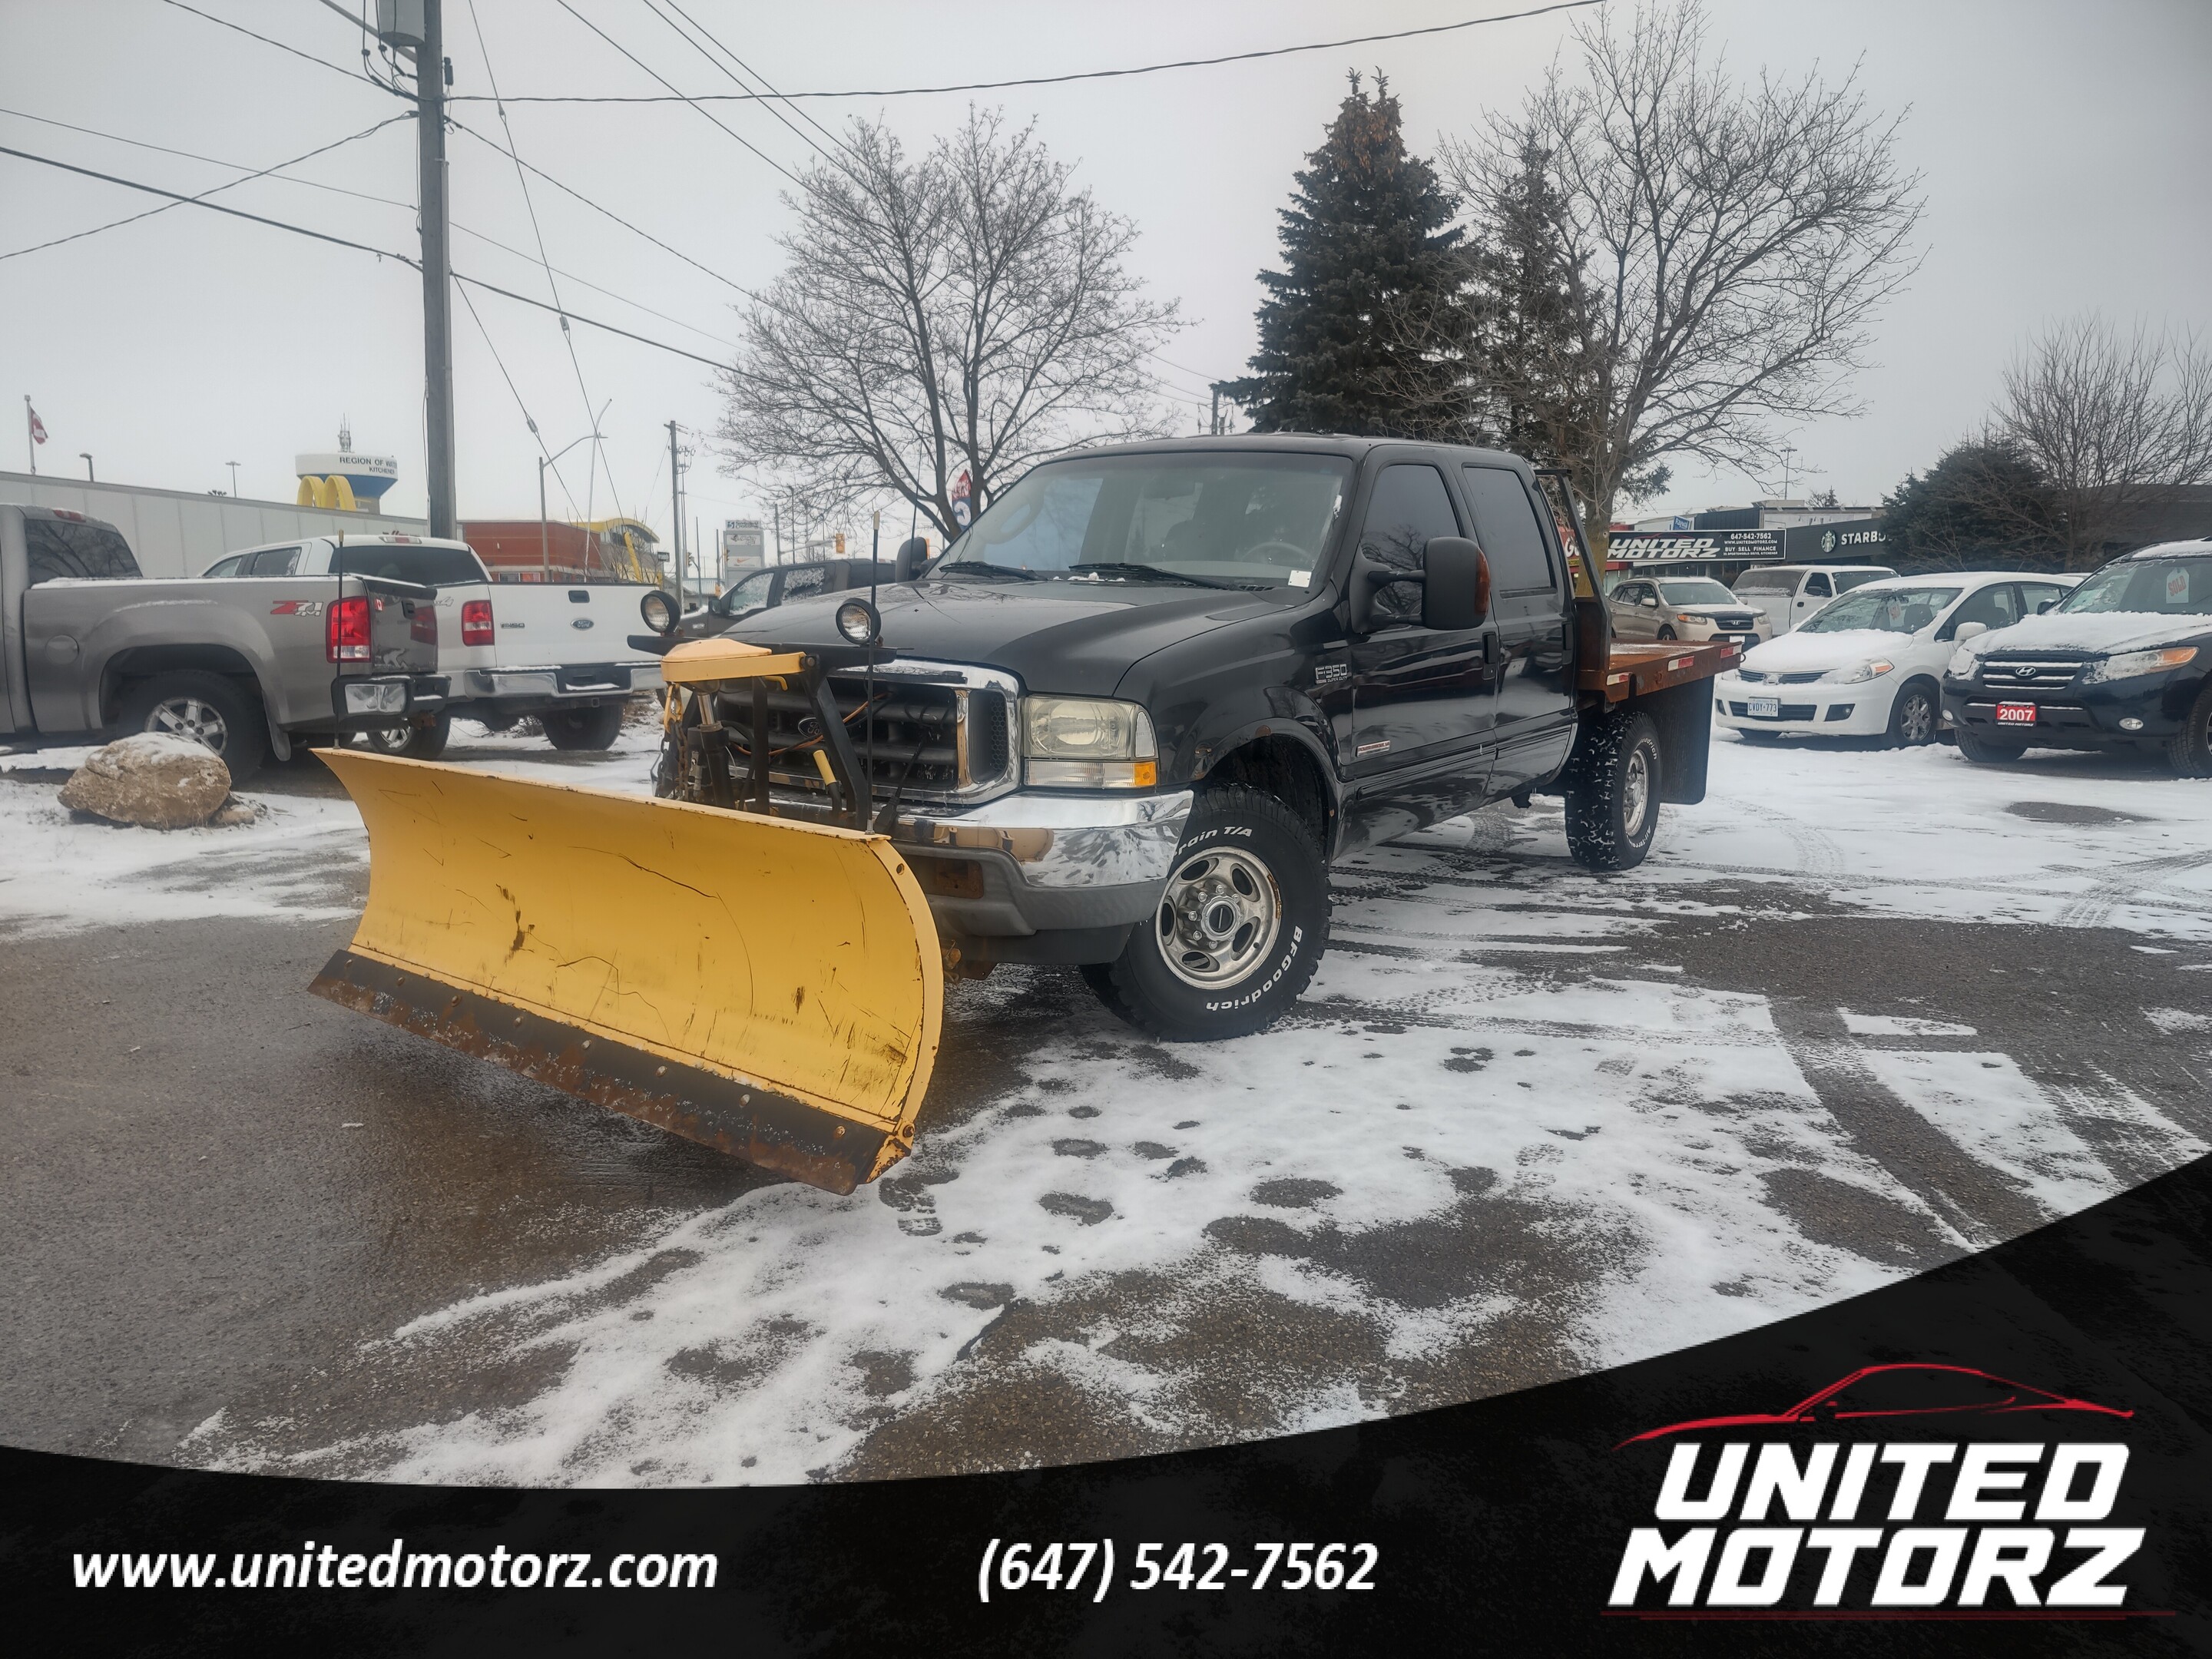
{"points": [[1698, 546], [2012, 1453]]}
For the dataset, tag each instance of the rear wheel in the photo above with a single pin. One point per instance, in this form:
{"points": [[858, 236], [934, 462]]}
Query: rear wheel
{"points": [[1988, 751], [1239, 929], [415, 742], [208, 708], [1912, 716], [2189, 751], [1666, 633], [1613, 791], [583, 728]]}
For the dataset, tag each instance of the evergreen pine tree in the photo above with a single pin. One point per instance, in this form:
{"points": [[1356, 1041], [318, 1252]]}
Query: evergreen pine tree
{"points": [[1363, 329]]}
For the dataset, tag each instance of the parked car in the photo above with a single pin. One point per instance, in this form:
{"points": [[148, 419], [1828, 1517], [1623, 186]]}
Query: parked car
{"points": [[1694, 608], [2124, 662], [1790, 595], [554, 650], [1870, 664], [763, 590], [90, 649]]}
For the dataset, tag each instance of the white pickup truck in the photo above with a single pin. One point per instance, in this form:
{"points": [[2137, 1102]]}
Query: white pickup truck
{"points": [[507, 650]]}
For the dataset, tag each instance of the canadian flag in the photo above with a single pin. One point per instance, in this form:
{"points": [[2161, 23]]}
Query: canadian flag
{"points": [[37, 426]]}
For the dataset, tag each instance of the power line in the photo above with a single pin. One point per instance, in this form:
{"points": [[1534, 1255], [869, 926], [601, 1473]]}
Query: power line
{"points": [[567, 338], [276, 173], [359, 248], [517, 394], [1041, 80], [335, 69], [680, 97], [742, 83], [249, 177]]}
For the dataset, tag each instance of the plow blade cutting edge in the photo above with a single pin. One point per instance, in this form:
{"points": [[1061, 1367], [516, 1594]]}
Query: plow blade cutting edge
{"points": [[771, 988]]}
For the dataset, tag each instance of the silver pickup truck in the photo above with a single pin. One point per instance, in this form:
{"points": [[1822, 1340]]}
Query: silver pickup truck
{"points": [[90, 649]]}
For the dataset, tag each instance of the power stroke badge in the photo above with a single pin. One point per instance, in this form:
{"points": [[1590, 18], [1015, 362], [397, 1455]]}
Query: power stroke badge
{"points": [[1901, 1490]]}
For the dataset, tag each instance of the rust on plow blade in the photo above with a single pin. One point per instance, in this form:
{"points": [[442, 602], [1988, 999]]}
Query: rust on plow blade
{"points": [[771, 988], [746, 1121]]}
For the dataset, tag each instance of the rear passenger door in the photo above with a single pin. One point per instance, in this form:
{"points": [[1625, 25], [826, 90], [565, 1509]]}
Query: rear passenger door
{"points": [[1423, 701], [1535, 704]]}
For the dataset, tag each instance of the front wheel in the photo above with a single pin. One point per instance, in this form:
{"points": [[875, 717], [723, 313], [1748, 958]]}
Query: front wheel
{"points": [[1988, 751], [1613, 791], [1238, 931], [2189, 751], [583, 728], [1912, 716]]}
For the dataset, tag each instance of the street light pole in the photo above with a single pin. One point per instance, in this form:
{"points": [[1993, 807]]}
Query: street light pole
{"points": [[544, 534], [86, 457], [233, 465]]}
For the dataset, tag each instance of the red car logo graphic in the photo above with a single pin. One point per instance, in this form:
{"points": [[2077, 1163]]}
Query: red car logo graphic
{"points": [[1877, 1392]]}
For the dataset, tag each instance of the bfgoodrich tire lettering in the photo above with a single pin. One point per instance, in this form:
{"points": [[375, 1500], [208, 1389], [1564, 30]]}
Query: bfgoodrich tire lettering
{"points": [[1246, 862]]}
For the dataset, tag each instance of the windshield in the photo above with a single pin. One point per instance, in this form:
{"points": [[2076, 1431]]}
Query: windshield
{"points": [[746, 595], [1699, 590], [1258, 520], [430, 567], [1892, 609], [1768, 581], [2171, 587]]}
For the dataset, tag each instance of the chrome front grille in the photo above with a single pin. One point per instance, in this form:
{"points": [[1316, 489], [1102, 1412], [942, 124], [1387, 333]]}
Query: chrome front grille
{"points": [[1752, 676], [2010, 675], [939, 735]]}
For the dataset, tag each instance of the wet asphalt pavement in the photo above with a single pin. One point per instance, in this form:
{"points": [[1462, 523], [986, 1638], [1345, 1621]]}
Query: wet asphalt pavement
{"points": [[219, 1188]]}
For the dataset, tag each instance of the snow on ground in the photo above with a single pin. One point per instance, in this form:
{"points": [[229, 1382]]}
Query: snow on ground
{"points": [[1635, 1120]]}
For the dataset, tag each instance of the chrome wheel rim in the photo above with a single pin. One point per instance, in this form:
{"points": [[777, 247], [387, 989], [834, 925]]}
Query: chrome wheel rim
{"points": [[1635, 792], [189, 717], [1917, 723], [1219, 918]]}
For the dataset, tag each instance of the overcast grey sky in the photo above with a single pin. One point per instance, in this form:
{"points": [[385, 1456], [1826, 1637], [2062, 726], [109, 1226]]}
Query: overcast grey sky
{"points": [[2064, 147]]}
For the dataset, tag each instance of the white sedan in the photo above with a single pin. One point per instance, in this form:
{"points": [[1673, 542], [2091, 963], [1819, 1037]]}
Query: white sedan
{"points": [[1870, 664]]}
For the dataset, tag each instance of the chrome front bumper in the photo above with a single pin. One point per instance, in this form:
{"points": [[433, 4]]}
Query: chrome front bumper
{"points": [[1085, 867]]}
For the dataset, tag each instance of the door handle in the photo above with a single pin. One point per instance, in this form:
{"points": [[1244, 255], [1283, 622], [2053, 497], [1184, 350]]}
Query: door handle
{"points": [[1490, 650]]}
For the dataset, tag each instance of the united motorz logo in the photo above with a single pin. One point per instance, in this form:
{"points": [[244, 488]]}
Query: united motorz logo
{"points": [[1943, 1490]]}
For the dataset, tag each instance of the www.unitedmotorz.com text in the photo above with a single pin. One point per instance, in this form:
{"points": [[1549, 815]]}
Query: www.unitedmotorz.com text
{"points": [[1917, 1525]]}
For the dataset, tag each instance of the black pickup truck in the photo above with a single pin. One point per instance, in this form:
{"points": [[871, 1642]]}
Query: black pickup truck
{"points": [[1129, 718]]}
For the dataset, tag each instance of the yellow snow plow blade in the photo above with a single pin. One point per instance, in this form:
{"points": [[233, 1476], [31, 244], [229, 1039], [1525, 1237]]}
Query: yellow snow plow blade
{"points": [[770, 986]]}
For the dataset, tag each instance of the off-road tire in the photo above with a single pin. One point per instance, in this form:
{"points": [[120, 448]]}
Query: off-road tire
{"points": [[2189, 751], [417, 742], [212, 704], [1612, 780], [583, 728], [1251, 829], [1986, 752], [1911, 728]]}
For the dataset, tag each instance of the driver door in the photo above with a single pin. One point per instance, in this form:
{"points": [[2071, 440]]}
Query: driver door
{"points": [[1424, 703]]}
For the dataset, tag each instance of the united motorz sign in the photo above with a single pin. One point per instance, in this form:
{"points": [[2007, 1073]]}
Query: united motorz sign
{"points": [[1696, 546]]}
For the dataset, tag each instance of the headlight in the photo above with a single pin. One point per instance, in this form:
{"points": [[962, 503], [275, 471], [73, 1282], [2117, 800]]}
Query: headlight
{"points": [[1861, 673], [2139, 662], [1964, 661], [1088, 742]]}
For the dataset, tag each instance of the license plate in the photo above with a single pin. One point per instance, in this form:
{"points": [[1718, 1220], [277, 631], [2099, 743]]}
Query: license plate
{"points": [[1764, 709], [2015, 713]]}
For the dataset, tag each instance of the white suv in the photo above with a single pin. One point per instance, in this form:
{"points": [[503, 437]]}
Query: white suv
{"points": [[1870, 664]]}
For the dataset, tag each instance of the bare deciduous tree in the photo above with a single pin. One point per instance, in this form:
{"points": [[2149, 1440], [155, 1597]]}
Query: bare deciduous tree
{"points": [[1734, 241], [2110, 420], [970, 310]]}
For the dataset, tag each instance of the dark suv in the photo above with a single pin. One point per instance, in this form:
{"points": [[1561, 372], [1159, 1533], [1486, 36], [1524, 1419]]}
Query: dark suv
{"points": [[2123, 662], [761, 590]]}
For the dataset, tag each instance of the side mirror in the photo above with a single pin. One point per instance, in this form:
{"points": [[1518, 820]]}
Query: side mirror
{"points": [[906, 563], [1456, 588], [1649, 603], [1967, 630], [2048, 605]]}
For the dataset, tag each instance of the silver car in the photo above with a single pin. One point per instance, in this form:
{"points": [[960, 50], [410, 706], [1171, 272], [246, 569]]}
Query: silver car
{"points": [[1689, 608]]}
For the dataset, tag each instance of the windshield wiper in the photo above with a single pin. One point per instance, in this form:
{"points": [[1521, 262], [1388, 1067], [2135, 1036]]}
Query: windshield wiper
{"points": [[956, 567], [1157, 573]]}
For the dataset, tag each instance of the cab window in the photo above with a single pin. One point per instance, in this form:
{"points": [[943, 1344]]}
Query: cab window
{"points": [[1994, 607], [1511, 535], [803, 580], [271, 561], [224, 567], [1409, 508], [1816, 587], [73, 548]]}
